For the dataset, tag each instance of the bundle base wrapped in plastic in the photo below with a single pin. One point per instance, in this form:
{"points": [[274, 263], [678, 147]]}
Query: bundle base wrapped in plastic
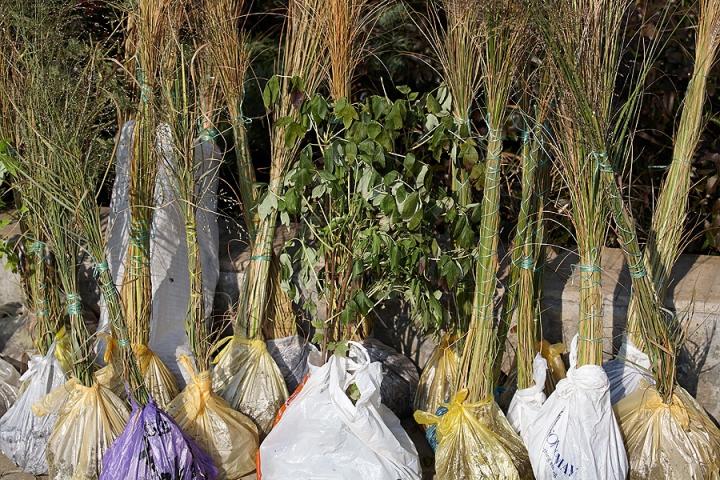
{"points": [[159, 380], [88, 422], [625, 372], [668, 441], [321, 433], [526, 402], [248, 378], [556, 368], [152, 447], [476, 441], [24, 435], [9, 385], [437, 382], [576, 434], [228, 436]]}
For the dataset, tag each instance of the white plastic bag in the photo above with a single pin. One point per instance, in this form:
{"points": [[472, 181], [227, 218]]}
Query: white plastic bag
{"points": [[24, 435], [9, 385], [526, 402], [626, 370], [321, 434], [576, 434]]}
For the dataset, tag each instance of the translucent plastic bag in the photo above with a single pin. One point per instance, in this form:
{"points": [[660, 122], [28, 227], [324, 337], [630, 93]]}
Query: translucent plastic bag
{"points": [[9, 385], [88, 422], [24, 435], [159, 380], [668, 442], [475, 441], [248, 378], [526, 402], [228, 436], [627, 370], [576, 434], [556, 367], [154, 447], [437, 381], [320, 433]]}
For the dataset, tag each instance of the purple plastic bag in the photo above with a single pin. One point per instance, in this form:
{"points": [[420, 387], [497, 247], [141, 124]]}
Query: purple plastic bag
{"points": [[154, 447]]}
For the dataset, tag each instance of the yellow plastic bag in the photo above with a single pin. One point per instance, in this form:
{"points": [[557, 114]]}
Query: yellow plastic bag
{"points": [[248, 378], [109, 376], [228, 436], [158, 378], [556, 366], [89, 420], [475, 441], [668, 442], [437, 381]]}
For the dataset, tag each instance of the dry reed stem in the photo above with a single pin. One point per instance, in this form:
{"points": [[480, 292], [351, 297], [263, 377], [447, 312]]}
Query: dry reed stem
{"points": [[669, 216]]}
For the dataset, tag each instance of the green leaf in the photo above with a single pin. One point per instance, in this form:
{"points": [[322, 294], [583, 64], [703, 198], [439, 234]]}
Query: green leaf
{"points": [[410, 204], [327, 176], [318, 191], [293, 132], [374, 129], [409, 161], [292, 201], [379, 106], [351, 151], [387, 204], [415, 220], [319, 108], [271, 91], [404, 89], [433, 106]]}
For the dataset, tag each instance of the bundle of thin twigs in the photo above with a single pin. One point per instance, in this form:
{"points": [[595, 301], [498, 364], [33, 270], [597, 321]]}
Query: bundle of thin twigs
{"points": [[147, 26], [584, 45], [189, 95], [230, 50], [527, 257], [301, 72], [503, 43], [671, 210]]}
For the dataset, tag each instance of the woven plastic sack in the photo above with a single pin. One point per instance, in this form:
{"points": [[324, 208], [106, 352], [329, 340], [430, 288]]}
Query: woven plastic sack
{"points": [[291, 356], [437, 382], [320, 433], [248, 378], [24, 435], [154, 447], [625, 372], [526, 402], [668, 442], [228, 436], [168, 249], [476, 441], [576, 434], [9, 385], [89, 420]]}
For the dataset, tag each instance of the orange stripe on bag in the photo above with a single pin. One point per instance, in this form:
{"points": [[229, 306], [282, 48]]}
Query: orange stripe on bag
{"points": [[289, 400], [280, 413]]}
